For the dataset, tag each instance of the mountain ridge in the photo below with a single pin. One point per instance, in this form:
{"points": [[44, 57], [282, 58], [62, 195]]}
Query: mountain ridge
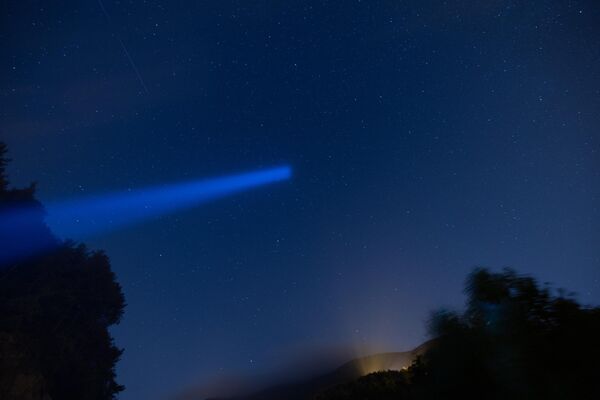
{"points": [[353, 369]]}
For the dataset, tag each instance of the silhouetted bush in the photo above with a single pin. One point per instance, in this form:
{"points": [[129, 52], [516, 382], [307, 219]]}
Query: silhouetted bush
{"points": [[515, 340], [55, 310]]}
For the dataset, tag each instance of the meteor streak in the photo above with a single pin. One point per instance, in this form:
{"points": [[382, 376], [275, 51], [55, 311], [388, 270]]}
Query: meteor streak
{"points": [[131, 62], [92, 215]]}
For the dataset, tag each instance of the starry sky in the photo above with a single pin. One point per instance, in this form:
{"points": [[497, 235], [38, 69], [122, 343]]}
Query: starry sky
{"points": [[426, 138]]}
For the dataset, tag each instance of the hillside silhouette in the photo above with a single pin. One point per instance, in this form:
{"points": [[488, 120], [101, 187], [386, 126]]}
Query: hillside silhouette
{"points": [[353, 369]]}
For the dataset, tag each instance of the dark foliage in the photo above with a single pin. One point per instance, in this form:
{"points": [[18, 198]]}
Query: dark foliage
{"points": [[18, 239], [384, 385], [3, 162], [516, 340], [55, 310], [388, 385]]}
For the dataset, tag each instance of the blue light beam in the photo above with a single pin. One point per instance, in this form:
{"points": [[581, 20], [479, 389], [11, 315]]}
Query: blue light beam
{"points": [[92, 215]]}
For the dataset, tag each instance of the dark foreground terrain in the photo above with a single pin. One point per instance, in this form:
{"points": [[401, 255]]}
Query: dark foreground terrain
{"points": [[348, 372], [516, 339]]}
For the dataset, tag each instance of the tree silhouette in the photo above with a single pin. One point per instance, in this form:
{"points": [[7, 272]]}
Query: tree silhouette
{"points": [[3, 162], [55, 310], [515, 340]]}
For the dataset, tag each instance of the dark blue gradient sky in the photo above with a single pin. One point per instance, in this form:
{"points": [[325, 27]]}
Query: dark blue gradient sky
{"points": [[426, 138]]}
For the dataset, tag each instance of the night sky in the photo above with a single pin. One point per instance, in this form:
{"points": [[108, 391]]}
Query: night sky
{"points": [[425, 138]]}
